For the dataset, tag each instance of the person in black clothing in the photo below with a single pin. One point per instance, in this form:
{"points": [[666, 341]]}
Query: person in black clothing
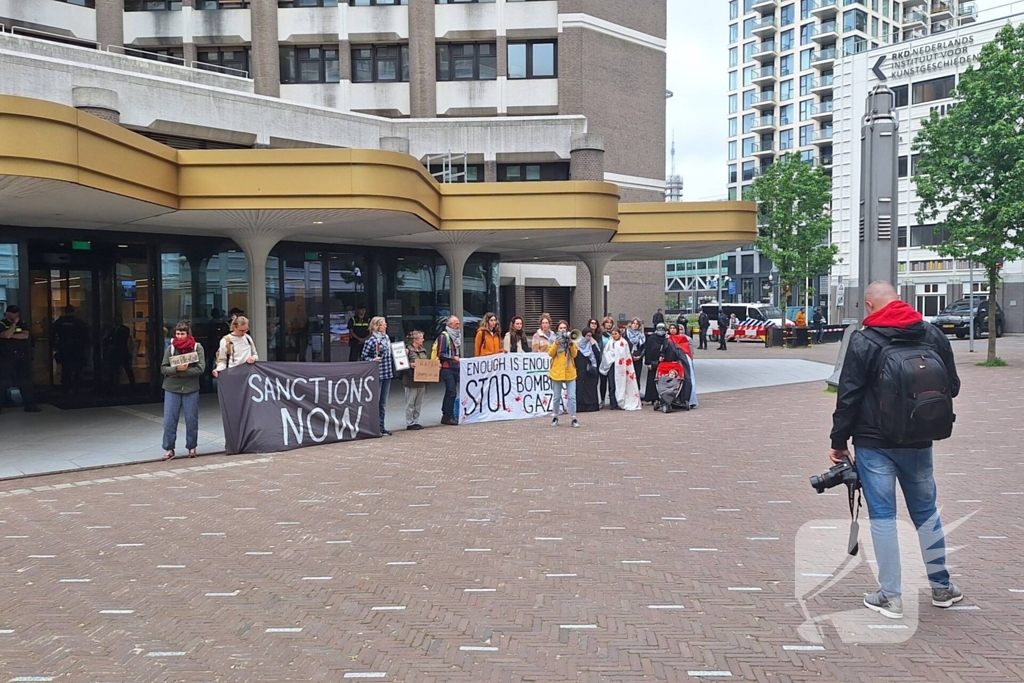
{"points": [[16, 358], [659, 317], [654, 349], [683, 324], [723, 329], [118, 351], [703, 322], [819, 326], [358, 332], [70, 336]]}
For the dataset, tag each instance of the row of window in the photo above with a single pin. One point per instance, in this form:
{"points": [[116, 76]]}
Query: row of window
{"points": [[507, 173], [806, 6], [174, 5]]}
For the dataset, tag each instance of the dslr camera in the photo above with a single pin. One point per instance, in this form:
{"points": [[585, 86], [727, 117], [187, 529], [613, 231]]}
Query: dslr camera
{"points": [[843, 473]]}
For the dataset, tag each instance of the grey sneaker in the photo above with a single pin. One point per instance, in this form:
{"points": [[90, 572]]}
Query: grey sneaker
{"points": [[575, 423], [554, 422], [948, 596], [887, 607]]}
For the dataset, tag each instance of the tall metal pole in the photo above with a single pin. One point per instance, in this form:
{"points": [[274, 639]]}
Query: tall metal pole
{"points": [[970, 266], [718, 281]]}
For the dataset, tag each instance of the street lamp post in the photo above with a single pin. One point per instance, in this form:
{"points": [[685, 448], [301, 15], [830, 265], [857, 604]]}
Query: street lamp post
{"points": [[773, 277]]}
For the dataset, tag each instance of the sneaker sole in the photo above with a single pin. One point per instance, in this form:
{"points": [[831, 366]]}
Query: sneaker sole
{"points": [[950, 602], [884, 612]]}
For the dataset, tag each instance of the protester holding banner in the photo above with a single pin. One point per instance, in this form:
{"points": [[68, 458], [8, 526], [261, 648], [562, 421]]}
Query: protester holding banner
{"points": [[544, 337], [488, 337], [448, 347], [619, 365], [181, 388], [515, 339], [414, 390], [236, 348], [563, 372], [378, 348]]}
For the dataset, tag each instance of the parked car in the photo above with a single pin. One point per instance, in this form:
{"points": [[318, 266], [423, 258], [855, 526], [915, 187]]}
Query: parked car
{"points": [[956, 318]]}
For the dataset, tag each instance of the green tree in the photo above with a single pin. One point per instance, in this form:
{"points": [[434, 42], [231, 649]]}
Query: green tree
{"points": [[792, 201], [971, 165]]}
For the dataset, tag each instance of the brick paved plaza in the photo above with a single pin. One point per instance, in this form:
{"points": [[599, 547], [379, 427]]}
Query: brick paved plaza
{"points": [[639, 547]]}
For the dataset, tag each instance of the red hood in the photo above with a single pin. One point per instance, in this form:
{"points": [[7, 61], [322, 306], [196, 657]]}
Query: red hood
{"points": [[894, 314]]}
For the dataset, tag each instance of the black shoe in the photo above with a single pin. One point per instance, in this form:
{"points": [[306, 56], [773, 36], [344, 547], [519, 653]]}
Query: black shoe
{"points": [[385, 432], [449, 421], [33, 409], [414, 427]]}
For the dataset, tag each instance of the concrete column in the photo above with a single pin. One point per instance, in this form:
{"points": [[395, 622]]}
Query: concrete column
{"points": [[954, 292], [393, 144], [907, 293], [422, 68], [456, 256], [490, 171], [257, 249], [586, 157], [595, 264], [109, 22], [502, 49], [99, 102], [264, 58]]}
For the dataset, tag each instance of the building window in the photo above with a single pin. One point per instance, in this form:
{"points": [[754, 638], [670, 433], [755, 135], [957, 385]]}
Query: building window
{"points": [[855, 20], [732, 127], [152, 5], [806, 135], [805, 59], [748, 122], [222, 4], [733, 80], [806, 109], [308, 3], [533, 59], [805, 8], [900, 95], [474, 174], [309, 65], [380, 64], [786, 40], [749, 147], [786, 90], [467, 62], [786, 139], [749, 97], [806, 83], [233, 61], [748, 171], [734, 9], [806, 31], [786, 115], [748, 51], [171, 55], [734, 33], [786, 15], [732, 173], [732, 104], [734, 56], [732, 150], [369, 3], [935, 89], [748, 27], [513, 173], [786, 65]]}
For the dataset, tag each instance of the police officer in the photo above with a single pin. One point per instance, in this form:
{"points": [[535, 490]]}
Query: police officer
{"points": [[16, 358], [359, 332]]}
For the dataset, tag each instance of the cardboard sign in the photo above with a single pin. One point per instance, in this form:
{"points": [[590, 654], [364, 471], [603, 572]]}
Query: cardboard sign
{"points": [[184, 359], [400, 356], [427, 371]]}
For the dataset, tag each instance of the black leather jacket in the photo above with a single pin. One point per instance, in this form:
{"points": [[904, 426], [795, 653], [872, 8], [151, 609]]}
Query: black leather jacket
{"points": [[857, 412]]}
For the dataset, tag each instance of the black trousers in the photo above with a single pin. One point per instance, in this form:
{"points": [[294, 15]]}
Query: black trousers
{"points": [[19, 374], [721, 340], [703, 339], [603, 387]]}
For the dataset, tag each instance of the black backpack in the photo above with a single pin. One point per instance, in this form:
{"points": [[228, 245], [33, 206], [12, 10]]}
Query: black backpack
{"points": [[913, 391]]}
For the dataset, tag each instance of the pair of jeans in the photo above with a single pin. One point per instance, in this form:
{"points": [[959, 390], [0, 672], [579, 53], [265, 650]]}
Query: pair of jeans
{"points": [[173, 404], [611, 387], [413, 403], [450, 377], [556, 403], [385, 389], [820, 336], [879, 470]]}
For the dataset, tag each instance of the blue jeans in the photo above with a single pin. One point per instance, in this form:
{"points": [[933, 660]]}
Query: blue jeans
{"points": [[173, 403], [879, 470], [385, 389], [450, 378], [556, 404]]}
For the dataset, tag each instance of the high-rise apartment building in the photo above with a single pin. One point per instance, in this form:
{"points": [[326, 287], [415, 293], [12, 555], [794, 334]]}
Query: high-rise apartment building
{"points": [[781, 59]]}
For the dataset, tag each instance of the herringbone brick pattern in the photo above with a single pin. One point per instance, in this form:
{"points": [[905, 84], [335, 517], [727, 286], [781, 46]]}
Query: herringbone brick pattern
{"points": [[639, 547]]}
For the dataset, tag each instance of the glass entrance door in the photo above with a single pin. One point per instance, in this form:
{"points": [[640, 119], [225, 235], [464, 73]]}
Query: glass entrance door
{"points": [[63, 325]]}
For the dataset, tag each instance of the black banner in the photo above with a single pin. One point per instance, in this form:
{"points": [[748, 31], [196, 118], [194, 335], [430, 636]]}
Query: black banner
{"points": [[273, 407]]}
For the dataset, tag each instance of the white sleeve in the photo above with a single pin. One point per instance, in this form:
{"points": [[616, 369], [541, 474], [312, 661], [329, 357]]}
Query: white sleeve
{"points": [[222, 353]]}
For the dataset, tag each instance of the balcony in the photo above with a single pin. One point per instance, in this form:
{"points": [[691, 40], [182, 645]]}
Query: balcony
{"points": [[907, 4], [822, 136], [968, 13], [764, 124], [767, 51], [914, 19], [764, 101], [825, 33], [823, 160], [941, 9], [766, 27], [825, 9], [823, 85], [764, 76], [942, 26], [766, 6], [824, 59], [764, 148], [823, 111]]}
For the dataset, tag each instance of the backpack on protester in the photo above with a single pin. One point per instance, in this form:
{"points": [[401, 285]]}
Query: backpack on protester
{"points": [[437, 344], [913, 391]]}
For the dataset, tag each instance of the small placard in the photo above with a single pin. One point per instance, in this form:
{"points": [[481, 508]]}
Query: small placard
{"points": [[184, 359], [400, 356], [427, 370]]}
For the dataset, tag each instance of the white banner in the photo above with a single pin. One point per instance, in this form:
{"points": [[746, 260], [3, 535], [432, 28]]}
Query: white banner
{"points": [[506, 386]]}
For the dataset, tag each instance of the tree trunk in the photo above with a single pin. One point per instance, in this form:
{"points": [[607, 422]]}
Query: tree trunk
{"points": [[993, 277]]}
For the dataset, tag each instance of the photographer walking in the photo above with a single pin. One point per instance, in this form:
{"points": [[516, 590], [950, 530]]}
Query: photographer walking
{"points": [[893, 430]]}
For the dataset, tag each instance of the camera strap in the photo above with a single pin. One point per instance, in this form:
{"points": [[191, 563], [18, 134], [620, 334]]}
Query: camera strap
{"points": [[853, 545]]}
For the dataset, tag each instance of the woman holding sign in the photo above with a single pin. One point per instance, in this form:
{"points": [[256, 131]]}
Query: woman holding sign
{"points": [[181, 388], [378, 348], [563, 373]]}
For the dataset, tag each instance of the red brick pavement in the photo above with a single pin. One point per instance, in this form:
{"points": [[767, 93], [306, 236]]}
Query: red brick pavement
{"points": [[391, 557]]}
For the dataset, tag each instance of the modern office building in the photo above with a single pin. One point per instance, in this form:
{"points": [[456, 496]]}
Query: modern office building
{"points": [[782, 77], [922, 73], [294, 159]]}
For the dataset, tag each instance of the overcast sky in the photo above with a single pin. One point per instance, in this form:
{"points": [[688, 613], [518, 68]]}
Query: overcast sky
{"points": [[697, 75]]}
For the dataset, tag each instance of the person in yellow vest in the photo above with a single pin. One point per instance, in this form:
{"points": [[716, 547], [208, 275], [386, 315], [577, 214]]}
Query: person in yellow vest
{"points": [[359, 332], [563, 373]]}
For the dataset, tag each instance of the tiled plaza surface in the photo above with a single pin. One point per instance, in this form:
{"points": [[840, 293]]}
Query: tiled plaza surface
{"points": [[638, 547]]}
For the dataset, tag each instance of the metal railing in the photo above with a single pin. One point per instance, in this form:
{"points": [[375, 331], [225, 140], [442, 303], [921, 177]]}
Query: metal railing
{"points": [[226, 70], [766, 46], [147, 55], [54, 37]]}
